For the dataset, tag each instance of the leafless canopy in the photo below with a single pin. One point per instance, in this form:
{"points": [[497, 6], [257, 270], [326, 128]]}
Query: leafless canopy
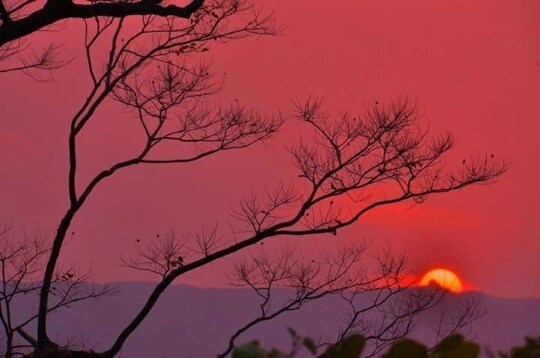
{"points": [[149, 64], [380, 300], [149, 58], [353, 164], [22, 258]]}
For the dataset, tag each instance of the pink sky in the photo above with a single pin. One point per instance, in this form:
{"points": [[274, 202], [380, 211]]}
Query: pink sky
{"points": [[472, 65]]}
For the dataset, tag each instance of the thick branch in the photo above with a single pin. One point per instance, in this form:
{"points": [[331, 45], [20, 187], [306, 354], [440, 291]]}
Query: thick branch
{"points": [[4, 15], [55, 11], [27, 337], [169, 279]]}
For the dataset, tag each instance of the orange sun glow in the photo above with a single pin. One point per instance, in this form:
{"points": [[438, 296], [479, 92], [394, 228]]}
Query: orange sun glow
{"points": [[443, 278]]}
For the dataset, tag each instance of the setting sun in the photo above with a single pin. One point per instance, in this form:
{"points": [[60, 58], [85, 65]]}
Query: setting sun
{"points": [[444, 278]]}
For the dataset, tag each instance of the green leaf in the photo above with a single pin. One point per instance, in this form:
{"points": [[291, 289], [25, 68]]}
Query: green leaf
{"points": [[456, 346], [350, 347], [407, 348], [276, 354], [310, 345], [465, 350], [449, 343], [249, 350]]}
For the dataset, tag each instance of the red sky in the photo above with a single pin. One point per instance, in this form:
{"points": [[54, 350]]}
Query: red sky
{"points": [[473, 66]]}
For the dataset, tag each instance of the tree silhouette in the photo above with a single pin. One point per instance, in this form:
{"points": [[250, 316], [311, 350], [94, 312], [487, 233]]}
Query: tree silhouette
{"points": [[154, 68], [22, 258], [18, 23], [354, 347], [393, 305]]}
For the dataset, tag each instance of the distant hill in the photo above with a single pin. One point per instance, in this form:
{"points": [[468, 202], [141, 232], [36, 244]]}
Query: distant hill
{"points": [[197, 322]]}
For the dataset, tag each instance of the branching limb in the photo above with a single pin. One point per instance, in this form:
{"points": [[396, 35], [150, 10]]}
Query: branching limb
{"points": [[56, 10], [168, 97], [46, 60], [22, 258], [309, 280]]}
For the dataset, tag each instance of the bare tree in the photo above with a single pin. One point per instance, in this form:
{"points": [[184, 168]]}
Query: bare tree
{"points": [[22, 259], [149, 67], [306, 279], [153, 67], [381, 301], [355, 165]]}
